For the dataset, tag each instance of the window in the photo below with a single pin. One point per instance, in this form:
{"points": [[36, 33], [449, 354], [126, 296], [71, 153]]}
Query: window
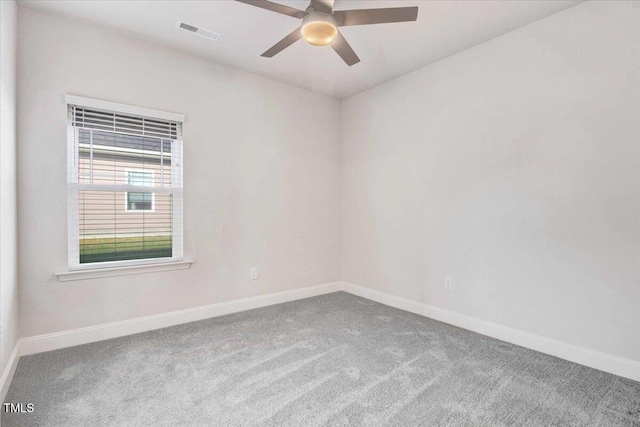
{"points": [[139, 201], [125, 185]]}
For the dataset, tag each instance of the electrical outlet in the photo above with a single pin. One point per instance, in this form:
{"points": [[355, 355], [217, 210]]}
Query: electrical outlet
{"points": [[253, 273], [448, 283]]}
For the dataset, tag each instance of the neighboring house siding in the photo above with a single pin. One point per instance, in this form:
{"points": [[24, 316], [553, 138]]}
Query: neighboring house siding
{"points": [[102, 213]]}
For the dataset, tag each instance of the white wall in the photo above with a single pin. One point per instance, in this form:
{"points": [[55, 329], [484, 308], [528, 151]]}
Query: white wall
{"points": [[8, 202], [261, 175], [512, 167]]}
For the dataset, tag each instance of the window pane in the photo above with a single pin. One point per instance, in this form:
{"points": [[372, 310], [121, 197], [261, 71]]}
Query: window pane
{"points": [[140, 197], [140, 201], [114, 159], [141, 179], [109, 233]]}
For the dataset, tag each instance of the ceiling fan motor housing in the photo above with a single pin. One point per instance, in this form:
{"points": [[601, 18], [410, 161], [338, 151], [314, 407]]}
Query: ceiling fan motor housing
{"points": [[319, 28]]}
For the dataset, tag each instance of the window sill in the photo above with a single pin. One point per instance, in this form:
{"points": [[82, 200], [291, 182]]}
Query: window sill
{"points": [[122, 271]]}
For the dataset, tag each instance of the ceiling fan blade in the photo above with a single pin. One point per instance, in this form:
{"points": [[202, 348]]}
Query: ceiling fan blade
{"points": [[345, 18], [342, 48], [323, 5], [275, 7], [293, 37]]}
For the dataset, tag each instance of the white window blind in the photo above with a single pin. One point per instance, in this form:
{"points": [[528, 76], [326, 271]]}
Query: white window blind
{"points": [[124, 188]]}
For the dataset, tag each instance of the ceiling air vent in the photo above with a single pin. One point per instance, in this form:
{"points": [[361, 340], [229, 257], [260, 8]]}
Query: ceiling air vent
{"points": [[197, 30]]}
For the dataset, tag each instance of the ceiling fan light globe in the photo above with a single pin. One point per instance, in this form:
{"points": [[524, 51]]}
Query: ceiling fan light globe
{"points": [[319, 29], [319, 33]]}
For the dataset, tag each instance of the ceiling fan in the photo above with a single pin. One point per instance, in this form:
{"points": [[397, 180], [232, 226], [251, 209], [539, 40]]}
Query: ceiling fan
{"points": [[319, 26]]}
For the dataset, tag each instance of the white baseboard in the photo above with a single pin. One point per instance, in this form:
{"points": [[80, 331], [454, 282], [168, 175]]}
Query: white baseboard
{"points": [[602, 361], [57, 340], [37, 344], [9, 370]]}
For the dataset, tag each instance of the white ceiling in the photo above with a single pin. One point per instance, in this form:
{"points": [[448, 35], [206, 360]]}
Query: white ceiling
{"points": [[386, 51]]}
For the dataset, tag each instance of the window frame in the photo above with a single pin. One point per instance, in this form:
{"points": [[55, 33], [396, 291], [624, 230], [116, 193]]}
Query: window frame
{"points": [[74, 187]]}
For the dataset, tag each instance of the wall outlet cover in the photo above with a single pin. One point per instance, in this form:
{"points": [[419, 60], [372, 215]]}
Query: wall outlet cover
{"points": [[448, 283]]}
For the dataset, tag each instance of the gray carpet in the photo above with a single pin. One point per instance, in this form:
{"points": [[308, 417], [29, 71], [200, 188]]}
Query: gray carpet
{"points": [[331, 360]]}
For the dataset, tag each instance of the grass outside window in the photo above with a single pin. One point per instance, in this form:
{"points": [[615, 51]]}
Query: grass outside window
{"points": [[105, 249]]}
